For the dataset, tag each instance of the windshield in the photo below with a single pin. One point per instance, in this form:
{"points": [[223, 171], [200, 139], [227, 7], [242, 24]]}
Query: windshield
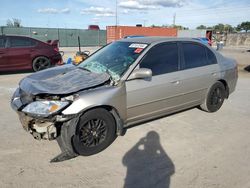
{"points": [[114, 59]]}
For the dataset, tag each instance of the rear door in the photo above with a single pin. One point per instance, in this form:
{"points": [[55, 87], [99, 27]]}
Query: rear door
{"points": [[3, 54], [19, 52], [199, 71]]}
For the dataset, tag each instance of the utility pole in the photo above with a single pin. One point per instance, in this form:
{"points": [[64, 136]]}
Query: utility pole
{"points": [[116, 20], [144, 23], [116, 12], [174, 18]]}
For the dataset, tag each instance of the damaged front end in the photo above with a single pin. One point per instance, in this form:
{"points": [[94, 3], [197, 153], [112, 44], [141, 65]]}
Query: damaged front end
{"points": [[42, 96], [40, 115]]}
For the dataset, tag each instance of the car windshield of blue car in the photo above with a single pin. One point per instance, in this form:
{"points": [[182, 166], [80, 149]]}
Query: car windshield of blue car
{"points": [[114, 59]]}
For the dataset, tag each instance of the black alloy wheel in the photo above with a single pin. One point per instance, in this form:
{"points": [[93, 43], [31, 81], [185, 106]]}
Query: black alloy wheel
{"points": [[214, 98], [41, 63], [95, 131]]}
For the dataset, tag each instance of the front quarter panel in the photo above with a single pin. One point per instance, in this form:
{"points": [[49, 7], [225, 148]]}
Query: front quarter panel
{"points": [[113, 96]]}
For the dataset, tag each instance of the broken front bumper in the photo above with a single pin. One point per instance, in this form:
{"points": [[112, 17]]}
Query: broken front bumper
{"points": [[40, 127]]}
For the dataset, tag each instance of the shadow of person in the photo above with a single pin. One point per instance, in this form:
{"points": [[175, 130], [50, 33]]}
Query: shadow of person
{"points": [[147, 164]]}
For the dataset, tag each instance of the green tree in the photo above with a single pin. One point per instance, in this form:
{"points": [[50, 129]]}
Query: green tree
{"points": [[14, 22], [219, 28], [228, 28], [244, 26], [180, 27], [201, 27]]}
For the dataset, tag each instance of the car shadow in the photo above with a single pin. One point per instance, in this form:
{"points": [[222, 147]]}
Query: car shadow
{"points": [[16, 72], [148, 165]]}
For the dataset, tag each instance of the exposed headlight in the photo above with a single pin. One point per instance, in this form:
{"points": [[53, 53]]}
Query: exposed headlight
{"points": [[44, 108]]}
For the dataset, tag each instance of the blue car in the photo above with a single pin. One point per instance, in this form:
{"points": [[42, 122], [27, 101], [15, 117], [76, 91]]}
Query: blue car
{"points": [[133, 36], [204, 40]]}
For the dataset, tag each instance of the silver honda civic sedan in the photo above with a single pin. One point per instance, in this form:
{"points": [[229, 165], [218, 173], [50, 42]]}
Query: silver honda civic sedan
{"points": [[127, 82]]}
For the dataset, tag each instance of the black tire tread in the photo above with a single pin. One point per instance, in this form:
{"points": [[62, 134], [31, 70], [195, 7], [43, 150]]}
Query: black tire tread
{"points": [[206, 106], [111, 134]]}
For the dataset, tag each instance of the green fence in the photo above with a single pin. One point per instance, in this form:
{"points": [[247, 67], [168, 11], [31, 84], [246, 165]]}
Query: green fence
{"points": [[67, 37]]}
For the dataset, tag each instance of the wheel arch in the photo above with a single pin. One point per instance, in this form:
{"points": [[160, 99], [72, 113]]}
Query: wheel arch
{"points": [[36, 56], [226, 87], [120, 131]]}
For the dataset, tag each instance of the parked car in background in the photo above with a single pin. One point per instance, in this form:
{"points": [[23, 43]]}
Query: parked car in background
{"points": [[133, 36], [25, 53], [205, 40], [94, 27], [125, 83]]}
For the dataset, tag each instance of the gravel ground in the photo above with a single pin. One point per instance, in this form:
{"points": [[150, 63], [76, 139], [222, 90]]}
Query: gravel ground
{"points": [[192, 149]]}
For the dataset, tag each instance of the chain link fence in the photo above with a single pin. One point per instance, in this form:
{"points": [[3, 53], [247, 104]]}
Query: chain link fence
{"points": [[66, 37]]}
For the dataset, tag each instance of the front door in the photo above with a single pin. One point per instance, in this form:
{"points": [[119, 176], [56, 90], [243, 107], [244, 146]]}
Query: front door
{"points": [[147, 98]]}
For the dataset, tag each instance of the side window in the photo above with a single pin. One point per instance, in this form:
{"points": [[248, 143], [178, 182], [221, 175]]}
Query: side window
{"points": [[19, 42], [2, 42], [162, 59], [194, 55], [211, 59], [32, 42]]}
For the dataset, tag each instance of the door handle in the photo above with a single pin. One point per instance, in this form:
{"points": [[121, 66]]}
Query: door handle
{"points": [[176, 82], [214, 74]]}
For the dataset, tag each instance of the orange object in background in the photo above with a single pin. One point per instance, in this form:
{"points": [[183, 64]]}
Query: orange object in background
{"points": [[118, 32]]}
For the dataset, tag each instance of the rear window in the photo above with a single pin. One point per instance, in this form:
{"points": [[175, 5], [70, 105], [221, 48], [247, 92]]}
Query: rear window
{"points": [[194, 55], [21, 42], [2, 42]]}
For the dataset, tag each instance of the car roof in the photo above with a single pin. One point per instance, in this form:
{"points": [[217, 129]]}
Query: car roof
{"points": [[24, 36], [151, 40]]}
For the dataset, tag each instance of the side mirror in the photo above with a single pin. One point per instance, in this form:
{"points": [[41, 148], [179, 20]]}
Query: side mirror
{"points": [[140, 74]]}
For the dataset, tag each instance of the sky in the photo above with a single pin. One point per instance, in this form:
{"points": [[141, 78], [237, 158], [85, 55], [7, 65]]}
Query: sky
{"points": [[81, 13]]}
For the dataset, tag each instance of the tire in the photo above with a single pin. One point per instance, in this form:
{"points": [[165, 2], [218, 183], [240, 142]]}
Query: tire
{"points": [[95, 131], [214, 98], [40, 63]]}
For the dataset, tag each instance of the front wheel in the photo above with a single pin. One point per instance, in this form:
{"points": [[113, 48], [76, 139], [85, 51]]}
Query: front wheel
{"points": [[214, 98], [95, 131]]}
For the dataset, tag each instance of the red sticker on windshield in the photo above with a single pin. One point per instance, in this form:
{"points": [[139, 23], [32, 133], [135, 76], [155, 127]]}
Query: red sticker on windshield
{"points": [[138, 50]]}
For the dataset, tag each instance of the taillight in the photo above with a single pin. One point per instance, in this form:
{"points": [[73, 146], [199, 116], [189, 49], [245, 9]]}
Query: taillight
{"points": [[56, 49]]}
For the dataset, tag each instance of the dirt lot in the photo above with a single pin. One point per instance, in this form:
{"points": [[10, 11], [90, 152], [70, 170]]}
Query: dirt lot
{"points": [[192, 149]]}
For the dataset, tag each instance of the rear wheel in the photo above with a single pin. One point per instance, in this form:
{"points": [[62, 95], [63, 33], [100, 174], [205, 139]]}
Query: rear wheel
{"points": [[215, 98], [40, 63], [95, 131]]}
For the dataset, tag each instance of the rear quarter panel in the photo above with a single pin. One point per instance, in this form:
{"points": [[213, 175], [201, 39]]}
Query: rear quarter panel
{"points": [[43, 49], [229, 71]]}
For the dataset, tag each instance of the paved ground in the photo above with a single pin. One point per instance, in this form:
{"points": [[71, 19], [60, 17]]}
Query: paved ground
{"points": [[192, 149]]}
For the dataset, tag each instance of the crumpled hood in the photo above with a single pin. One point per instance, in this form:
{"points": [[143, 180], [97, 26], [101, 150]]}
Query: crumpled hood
{"points": [[62, 80]]}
